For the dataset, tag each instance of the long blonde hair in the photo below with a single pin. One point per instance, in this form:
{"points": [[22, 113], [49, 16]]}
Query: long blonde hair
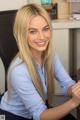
{"points": [[21, 25]]}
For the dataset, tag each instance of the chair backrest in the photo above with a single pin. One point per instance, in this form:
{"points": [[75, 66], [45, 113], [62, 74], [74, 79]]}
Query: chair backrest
{"points": [[8, 46]]}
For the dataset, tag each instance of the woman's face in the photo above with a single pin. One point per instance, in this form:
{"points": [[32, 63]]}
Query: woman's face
{"points": [[39, 34]]}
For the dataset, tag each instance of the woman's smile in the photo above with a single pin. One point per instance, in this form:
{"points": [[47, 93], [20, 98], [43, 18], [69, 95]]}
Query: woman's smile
{"points": [[41, 43]]}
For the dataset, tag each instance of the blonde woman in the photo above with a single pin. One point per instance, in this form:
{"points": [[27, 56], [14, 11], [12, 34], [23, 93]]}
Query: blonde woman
{"points": [[31, 73]]}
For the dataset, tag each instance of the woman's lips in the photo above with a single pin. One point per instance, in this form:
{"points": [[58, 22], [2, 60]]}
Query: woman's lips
{"points": [[41, 44]]}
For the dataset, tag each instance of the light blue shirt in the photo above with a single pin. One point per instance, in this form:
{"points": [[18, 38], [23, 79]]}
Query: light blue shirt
{"points": [[23, 99]]}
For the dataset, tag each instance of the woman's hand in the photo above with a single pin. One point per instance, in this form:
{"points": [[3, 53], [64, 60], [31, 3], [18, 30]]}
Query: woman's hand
{"points": [[76, 93]]}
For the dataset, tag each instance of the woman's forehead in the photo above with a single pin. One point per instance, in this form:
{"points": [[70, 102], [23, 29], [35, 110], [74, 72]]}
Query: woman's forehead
{"points": [[38, 21]]}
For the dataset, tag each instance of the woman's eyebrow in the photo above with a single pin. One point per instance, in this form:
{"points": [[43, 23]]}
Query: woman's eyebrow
{"points": [[46, 26], [33, 28]]}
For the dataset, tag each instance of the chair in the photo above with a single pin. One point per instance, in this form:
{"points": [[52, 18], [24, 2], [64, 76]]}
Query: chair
{"points": [[8, 46]]}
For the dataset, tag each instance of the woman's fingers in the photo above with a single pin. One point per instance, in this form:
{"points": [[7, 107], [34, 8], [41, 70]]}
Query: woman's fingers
{"points": [[76, 90]]}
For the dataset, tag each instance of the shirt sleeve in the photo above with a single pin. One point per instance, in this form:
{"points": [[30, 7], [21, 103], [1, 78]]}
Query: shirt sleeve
{"points": [[22, 83], [61, 75]]}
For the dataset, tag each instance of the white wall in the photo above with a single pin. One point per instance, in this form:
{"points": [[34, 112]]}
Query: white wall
{"points": [[15, 4], [11, 4], [34, 1]]}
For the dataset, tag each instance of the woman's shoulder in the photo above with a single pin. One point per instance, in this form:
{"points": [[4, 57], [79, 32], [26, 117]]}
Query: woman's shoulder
{"points": [[18, 74], [18, 67]]}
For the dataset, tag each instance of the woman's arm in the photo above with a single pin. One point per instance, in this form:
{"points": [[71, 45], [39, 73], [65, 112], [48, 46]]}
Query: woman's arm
{"points": [[60, 111], [62, 76]]}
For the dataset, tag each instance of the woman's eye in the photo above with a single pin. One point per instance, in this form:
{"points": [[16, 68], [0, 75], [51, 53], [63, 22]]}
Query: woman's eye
{"points": [[46, 29], [32, 32]]}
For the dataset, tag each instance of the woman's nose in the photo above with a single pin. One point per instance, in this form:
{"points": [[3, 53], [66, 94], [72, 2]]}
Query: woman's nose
{"points": [[41, 35]]}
